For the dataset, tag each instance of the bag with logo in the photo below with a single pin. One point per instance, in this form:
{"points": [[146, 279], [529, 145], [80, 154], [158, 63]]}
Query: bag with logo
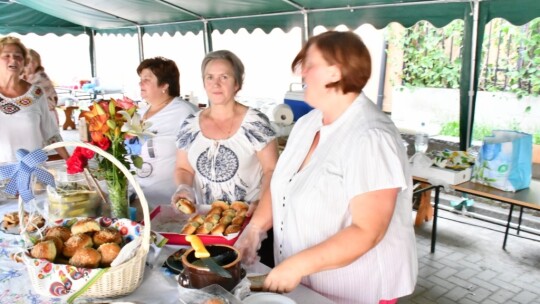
{"points": [[505, 161]]}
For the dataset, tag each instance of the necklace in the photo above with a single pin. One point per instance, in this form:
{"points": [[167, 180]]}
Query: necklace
{"points": [[151, 112], [220, 128]]}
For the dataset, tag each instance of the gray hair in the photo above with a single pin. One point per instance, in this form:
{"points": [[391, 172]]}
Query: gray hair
{"points": [[236, 63]]}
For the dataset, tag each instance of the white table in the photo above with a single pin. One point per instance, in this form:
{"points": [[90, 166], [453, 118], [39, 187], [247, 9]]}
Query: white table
{"points": [[158, 286]]}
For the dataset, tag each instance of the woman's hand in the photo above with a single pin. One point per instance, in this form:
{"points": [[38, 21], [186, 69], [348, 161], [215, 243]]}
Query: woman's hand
{"points": [[249, 242], [283, 278], [183, 191]]}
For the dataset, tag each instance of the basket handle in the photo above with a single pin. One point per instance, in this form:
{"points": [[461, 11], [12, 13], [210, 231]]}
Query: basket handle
{"points": [[144, 203]]}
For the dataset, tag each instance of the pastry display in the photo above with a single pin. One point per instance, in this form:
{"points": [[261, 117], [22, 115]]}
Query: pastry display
{"points": [[222, 219], [32, 221], [86, 244]]}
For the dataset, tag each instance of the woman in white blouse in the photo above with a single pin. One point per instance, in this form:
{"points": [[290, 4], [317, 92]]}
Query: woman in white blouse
{"points": [[228, 151], [341, 191], [25, 119]]}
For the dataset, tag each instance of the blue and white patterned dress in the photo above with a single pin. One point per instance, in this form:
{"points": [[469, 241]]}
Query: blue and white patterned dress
{"points": [[226, 169]]}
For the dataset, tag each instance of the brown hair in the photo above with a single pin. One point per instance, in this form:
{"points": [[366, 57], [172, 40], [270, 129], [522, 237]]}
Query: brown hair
{"points": [[17, 42], [166, 72], [37, 58], [348, 52]]}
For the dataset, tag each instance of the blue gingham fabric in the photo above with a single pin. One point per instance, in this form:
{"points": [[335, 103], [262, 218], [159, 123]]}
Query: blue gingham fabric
{"points": [[20, 173]]}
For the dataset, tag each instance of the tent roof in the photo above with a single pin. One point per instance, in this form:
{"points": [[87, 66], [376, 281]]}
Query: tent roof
{"points": [[159, 16]]}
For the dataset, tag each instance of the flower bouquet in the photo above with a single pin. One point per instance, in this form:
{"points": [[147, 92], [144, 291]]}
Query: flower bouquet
{"points": [[110, 124]]}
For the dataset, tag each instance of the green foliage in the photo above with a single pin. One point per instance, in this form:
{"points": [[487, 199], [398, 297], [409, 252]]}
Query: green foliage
{"points": [[426, 55], [451, 128]]}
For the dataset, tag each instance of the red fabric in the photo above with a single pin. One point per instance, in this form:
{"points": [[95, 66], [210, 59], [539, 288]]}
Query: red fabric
{"points": [[394, 301]]}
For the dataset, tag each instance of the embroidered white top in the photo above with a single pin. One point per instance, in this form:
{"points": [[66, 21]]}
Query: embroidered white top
{"points": [[159, 152], [360, 152], [26, 123], [227, 169]]}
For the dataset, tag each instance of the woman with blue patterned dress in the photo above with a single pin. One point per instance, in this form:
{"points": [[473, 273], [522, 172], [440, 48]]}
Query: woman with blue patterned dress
{"points": [[25, 119], [228, 151]]}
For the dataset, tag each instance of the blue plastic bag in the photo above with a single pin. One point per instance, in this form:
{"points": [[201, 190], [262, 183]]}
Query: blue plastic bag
{"points": [[505, 161]]}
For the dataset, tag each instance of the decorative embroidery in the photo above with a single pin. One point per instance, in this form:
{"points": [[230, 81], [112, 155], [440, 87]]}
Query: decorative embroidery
{"points": [[220, 167], [9, 108], [25, 101]]}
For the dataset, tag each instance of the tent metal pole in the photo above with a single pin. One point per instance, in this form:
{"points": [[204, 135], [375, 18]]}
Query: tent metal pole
{"points": [[140, 34], [472, 88], [207, 38], [92, 49]]}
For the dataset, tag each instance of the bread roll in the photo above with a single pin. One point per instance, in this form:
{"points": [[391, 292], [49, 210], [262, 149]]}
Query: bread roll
{"points": [[190, 228], [239, 205], [185, 206], [215, 210], [109, 252], [197, 218], [238, 220], [229, 212], [226, 220], [221, 204], [85, 258], [232, 229], [85, 226], [36, 221], [76, 242], [212, 218], [63, 233], [107, 235], [242, 212], [58, 243], [205, 228], [44, 250], [218, 229]]}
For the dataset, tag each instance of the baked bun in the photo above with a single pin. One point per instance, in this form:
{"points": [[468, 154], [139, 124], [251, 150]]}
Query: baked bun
{"points": [[238, 220], [85, 258], [107, 235], [190, 228], [109, 252], [239, 205], [197, 218], [212, 218], [85, 226], [218, 229], [205, 228], [242, 212], [225, 220], [44, 250], [215, 210], [229, 212], [63, 233], [58, 243], [33, 222], [76, 242], [221, 204], [232, 229], [214, 301], [185, 206]]}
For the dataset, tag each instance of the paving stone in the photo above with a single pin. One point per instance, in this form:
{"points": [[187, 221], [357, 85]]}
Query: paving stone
{"points": [[478, 294], [482, 283], [466, 273], [441, 282], [435, 292], [506, 285], [446, 272], [525, 297], [461, 282], [455, 294], [502, 296]]}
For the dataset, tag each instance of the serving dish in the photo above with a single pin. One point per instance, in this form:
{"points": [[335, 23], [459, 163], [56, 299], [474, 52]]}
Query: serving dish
{"points": [[169, 223]]}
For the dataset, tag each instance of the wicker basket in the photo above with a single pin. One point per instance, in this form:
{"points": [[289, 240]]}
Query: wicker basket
{"points": [[118, 280]]}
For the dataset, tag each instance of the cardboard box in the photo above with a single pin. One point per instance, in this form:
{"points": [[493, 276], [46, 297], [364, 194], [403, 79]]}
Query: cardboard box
{"points": [[452, 177]]}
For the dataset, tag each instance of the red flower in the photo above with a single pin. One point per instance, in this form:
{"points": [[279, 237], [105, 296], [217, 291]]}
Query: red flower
{"points": [[104, 143], [87, 153], [76, 163]]}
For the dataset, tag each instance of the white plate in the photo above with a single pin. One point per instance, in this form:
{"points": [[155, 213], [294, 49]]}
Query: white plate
{"points": [[268, 298]]}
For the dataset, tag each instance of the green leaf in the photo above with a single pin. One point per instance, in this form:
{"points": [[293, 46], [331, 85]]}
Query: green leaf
{"points": [[137, 161]]}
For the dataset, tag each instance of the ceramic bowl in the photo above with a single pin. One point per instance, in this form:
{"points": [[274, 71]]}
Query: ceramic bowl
{"points": [[199, 276]]}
